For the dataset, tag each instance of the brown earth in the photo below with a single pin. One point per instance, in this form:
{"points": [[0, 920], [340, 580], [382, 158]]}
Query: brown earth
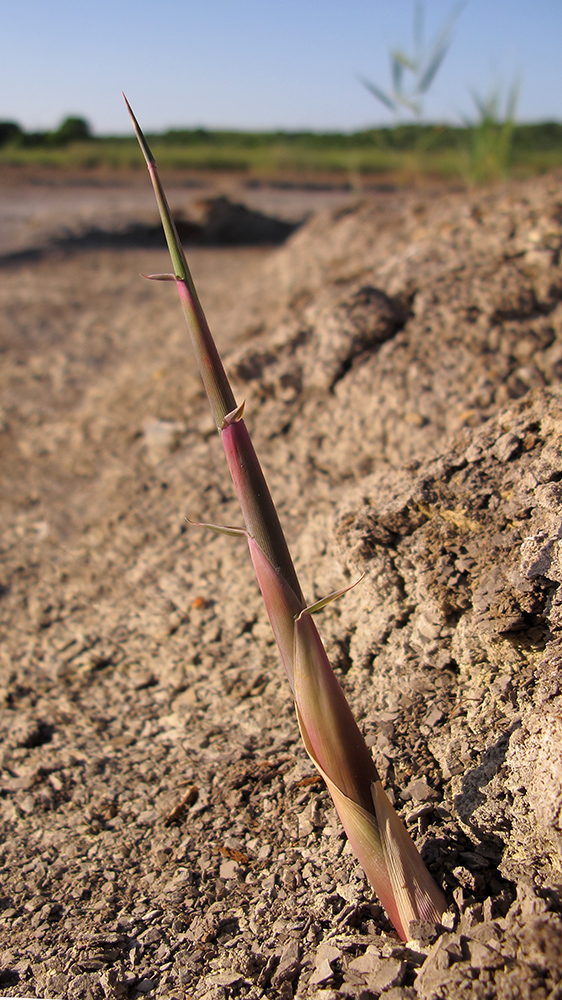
{"points": [[163, 832]]}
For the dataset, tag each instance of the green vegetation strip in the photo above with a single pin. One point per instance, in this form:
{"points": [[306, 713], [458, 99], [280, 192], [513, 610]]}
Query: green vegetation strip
{"points": [[437, 151]]}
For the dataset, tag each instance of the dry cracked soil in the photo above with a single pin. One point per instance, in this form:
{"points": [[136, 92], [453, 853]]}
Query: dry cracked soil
{"points": [[163, 833]]}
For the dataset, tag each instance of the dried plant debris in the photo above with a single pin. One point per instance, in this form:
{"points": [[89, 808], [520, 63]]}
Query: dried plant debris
{"points": [[163, 832]]}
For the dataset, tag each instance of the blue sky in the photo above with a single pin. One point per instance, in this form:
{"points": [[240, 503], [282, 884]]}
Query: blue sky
{"points": [[263, 63]]}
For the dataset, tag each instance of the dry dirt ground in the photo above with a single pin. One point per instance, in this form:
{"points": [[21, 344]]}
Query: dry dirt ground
{"points": [[163, 832]]}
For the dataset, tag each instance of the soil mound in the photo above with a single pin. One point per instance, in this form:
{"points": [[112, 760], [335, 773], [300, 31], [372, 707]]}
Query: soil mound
{"points": [[213, 222], [163, 832]]}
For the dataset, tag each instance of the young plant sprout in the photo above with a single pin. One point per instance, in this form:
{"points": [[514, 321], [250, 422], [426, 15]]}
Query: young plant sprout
{"points": [[330, 734]]}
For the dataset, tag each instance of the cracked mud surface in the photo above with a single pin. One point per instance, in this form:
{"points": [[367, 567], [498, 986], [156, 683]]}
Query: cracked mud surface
{"points": [[163, 832]]}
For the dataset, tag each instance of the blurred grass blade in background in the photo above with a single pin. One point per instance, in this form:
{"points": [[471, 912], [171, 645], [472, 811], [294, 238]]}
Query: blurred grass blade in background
{"points": [[422, 66], [488, 155]]}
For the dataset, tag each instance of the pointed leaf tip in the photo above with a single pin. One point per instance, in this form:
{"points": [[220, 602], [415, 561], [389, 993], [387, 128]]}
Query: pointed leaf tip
{"points": [[221, 529], [235, 415], [318, 605], [139, 134]]}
